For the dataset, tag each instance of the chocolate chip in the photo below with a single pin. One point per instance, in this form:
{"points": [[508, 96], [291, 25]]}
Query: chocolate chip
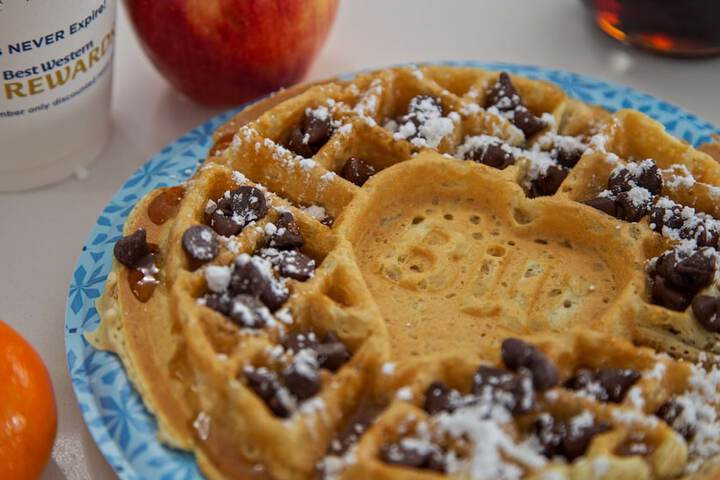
{"points": [[616, 382], [220, 302], [296, 341], [357, 171], [493, 155], [567, 157], [297, 143], [623, 180], [550, 434], [499, 383], [666, 217], [419, 105], [605, 384], [225, 204], [296, 265], [412, 456], [580, 380], [332, 352], [566, 438], [440, 398], [248, 204], [310, 135], [274, 295], [503, 94], [517, 354], [236, 209], [708, 236], [688, 272], [436, 461], [349, 435], [200, 243], [604, 204], [704, 232], [697, 269], [317, 129], [129, 250], [265, 384], [247, 311], [420, 109], [487, 376], [707, 312], [578, 438], [650, 179], [667, 296], [303, 380], [671, 411], [288, 233], [548, 182], [505, 98], [629, 208], [224, 224], [249, 277], [526, 121]]}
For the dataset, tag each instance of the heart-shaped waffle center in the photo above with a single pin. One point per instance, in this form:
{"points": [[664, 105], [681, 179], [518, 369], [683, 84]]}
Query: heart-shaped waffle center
{"points": [[455, 255]]}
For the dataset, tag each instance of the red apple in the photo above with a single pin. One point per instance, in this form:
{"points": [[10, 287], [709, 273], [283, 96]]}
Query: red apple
{"points": [[225, 52]]}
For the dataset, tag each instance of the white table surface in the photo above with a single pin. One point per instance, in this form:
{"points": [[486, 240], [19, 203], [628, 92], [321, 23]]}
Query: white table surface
{"points": [[42, 231]]}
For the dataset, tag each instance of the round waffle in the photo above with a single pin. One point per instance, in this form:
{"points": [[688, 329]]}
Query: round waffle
{"points": [[428, 272]]}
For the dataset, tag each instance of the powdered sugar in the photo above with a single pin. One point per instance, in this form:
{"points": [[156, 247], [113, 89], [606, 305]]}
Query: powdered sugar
{"points": [[636, 398], [427, 127], [307, 164], [270, 229], [321, 113], [404, 393], [315, 211], [328, 176], [540, 156], [345, 129], [238, 177], [217, 278], [388, 368], [639, 196], [700, 404], [491, 446], [305, 362]]}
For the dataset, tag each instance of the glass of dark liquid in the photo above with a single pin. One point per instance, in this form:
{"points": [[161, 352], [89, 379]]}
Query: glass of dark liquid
{"points": [[688, 28]]}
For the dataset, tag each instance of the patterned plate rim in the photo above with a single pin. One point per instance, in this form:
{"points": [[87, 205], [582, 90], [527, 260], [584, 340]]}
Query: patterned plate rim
{"points": [[112, 419]]}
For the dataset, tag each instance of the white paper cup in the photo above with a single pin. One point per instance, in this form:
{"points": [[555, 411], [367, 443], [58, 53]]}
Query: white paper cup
{"points": [[55, 85]]}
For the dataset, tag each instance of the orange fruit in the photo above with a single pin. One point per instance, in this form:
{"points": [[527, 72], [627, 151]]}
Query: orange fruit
{"points": [[28, 418]]}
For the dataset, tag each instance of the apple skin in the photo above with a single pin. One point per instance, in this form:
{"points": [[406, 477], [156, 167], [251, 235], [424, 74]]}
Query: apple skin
{"points": [[226, 52]]}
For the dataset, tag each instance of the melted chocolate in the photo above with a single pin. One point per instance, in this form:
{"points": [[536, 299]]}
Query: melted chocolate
{"points": [[144, 278], [165, 205]]}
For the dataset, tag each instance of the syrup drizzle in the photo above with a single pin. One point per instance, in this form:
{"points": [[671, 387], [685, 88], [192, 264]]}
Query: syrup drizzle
{"points": [[143, 278], [165, 205]]}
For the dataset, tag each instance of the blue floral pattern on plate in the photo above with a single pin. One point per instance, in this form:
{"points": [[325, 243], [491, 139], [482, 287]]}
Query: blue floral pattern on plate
{"points": [[123, 429]]}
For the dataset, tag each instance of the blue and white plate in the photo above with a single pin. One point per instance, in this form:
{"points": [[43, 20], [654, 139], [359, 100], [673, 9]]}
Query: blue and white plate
{"points": [[113, 410]]}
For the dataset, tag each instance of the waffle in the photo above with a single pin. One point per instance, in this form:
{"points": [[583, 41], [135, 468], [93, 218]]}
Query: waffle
{"points": [[429, 272]]}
